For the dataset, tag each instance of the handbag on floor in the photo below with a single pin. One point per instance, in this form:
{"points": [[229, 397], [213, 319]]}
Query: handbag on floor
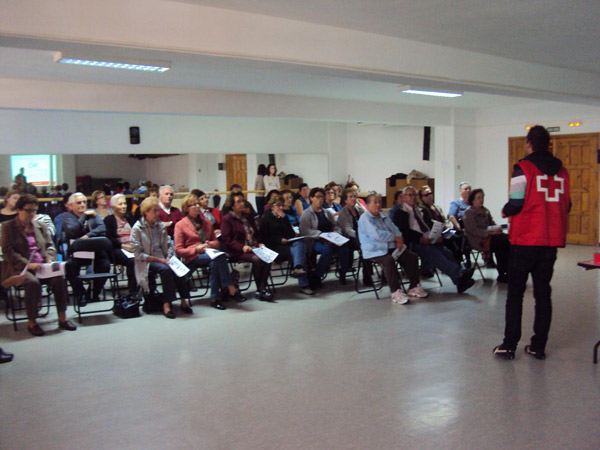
{"points": [[153, 302], [127, 306]]}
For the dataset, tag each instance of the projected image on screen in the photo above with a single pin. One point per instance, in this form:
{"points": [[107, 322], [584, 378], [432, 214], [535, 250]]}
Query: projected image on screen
{"points": [[37, 169]]}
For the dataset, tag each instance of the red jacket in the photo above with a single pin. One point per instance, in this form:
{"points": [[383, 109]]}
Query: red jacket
{"points": [[543, 219], [233, 234], [186, 238]]}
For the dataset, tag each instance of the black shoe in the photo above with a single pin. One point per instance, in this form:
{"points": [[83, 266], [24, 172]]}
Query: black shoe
{"points": [[503, 352], [82, 300], [36, 330], [67, 325], [342, 278], [169, 315], [502, 278], [368, 281], [463, 285], [187, 310], [5, 356], [467, 274], [265, 296], [537, 355], [218, 305], [238, 297]]}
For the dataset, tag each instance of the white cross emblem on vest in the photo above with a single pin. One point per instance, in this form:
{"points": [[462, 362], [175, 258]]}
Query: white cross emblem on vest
{"points": [[550, 188]]}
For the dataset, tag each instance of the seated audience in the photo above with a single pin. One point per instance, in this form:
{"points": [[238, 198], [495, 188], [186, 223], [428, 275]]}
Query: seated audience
{"points": [[356, 188], [302, 201], [211, 214], [484, 235], [9, 211], [289, 209], [272, 193], [314, 221], [459, 206], [148, 192], [99, 202], [379, 238], [398, 200], [276, 230], [330, 202], [169, 215], [235, 188], [452, 238], [193, 235], [348, 223], [87, 231], [153, 249], [239, 235], [26, 242], [118, 230], [410, 222]]}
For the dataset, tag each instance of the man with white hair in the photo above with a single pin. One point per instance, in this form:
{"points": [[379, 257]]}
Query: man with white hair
{"points": [[169, 215], [87, 231]]}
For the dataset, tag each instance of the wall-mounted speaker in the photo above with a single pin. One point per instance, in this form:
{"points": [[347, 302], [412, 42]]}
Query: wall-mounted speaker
{"points": [[426, 143], [134, 135]]}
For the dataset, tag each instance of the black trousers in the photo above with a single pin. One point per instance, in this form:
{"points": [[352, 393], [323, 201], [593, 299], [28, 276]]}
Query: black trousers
{"points": [[101, 247], [539, 261], [120, 259]]}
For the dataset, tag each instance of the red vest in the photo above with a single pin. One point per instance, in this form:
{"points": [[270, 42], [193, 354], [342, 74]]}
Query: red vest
{"points": [[543, 219]]}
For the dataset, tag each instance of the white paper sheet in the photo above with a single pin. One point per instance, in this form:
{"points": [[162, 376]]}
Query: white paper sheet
{"points": [[266, 254], [50, 270], [396, 253], [335, 238], [127, 253], [436, 230], [178, 267], [212, 253]]}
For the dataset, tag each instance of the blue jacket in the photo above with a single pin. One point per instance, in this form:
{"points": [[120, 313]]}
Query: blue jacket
{"points": [[376, 235]]}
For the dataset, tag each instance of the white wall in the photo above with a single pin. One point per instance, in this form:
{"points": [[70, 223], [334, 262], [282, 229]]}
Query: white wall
{"points": [[111, 166], [376, 152]]}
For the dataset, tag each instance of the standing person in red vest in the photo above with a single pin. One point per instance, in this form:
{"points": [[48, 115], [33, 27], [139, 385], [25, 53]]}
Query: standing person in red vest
{"points": [[538, 207]]}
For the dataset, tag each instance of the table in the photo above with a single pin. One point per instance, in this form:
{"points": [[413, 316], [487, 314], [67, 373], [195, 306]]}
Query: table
{"points": [[589, 265]]}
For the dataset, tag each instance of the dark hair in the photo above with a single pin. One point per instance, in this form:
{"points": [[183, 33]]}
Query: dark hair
{"points": [[234, 185], [65, 186], [297, 195], [539, 138], [127, 185], [262, 170], [66, 197], [232, 197], [269, 169], [301, 186], [275, 199], [271, 193], [26, 199], [472, 195], [314, 191], [344, 196], [285, 191], [397, 194]]}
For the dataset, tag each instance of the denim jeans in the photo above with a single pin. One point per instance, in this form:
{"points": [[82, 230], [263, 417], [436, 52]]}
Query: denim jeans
{"points": [[438, 256], [539, 261], [327, 252], [220, 277]]}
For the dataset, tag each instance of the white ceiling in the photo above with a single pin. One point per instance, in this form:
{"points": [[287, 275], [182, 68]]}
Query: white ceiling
{"points": [[550, 32]]}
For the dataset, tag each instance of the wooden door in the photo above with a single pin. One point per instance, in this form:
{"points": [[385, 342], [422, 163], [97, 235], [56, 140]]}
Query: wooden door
{"points": [[236, 170], [578, 154]]}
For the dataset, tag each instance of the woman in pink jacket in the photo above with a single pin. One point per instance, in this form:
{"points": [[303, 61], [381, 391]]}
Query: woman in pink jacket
{"points": [[193, 236]]}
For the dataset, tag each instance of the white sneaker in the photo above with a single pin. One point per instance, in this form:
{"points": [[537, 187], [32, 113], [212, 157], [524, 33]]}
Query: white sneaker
{"points": [[400, 297], [417, 291]]}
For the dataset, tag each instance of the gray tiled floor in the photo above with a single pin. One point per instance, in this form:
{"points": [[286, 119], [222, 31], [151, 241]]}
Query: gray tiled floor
{"points": [[337, 371]]}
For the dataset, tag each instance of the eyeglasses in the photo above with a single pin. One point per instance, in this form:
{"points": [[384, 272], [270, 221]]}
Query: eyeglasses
{"points": [[278, 205]]}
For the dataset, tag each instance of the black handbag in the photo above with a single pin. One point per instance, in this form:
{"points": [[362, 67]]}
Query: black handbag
{"points": [[127, 306], [153, 302]]}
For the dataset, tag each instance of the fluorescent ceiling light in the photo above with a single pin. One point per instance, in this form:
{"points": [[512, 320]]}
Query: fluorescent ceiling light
{"points": [[113, 63], [409, 90]]}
